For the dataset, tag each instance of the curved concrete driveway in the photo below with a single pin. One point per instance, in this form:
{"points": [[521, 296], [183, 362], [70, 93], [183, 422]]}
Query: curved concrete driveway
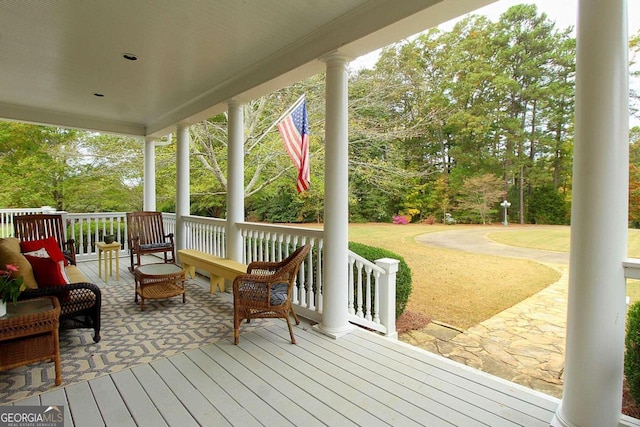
{"points": [[476, 240]]}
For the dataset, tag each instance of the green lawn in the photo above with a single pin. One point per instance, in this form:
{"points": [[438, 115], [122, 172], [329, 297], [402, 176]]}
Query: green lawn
{"points": [[463, 289], [556, 238], [553, 238], [458, 288]]}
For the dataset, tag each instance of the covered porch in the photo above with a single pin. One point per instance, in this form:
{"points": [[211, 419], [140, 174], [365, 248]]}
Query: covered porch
{"points": [[53, 85], [360, 379]]}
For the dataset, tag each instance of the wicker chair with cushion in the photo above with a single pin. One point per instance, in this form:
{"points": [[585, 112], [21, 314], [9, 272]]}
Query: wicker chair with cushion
{"points": [[265, 291], [48, 271], [145, 234]]}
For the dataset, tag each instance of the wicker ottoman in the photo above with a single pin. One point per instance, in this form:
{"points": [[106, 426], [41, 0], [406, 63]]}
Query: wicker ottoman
{"points": [[159, 281]]}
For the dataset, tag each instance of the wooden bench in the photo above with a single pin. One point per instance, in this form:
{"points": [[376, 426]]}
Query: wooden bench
{"points": [[218, 268]]}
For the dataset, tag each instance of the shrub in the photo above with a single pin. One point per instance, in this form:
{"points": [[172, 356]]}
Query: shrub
{"points": [[403, 276], [547, 206], [632, 356], [400, 219], [430, 220]]}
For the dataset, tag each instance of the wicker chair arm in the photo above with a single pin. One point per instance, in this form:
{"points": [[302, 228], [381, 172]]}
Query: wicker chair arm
{"points": [[264, 266], [254, 278], [60, 291], [267, 281]]}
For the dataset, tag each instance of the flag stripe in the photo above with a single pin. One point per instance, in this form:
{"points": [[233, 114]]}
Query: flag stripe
{"points": [[290, 136], [294, 130]]}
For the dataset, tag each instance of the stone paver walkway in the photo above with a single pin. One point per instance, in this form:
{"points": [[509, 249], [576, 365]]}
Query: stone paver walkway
{"points": [[523, 344]]}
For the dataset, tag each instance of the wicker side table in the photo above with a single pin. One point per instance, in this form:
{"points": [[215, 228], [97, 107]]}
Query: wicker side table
{"points": [[159, 281], [29, 334]]}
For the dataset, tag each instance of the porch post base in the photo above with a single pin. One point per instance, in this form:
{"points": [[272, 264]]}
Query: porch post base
{"points": [[335, 333], [558, 421]]}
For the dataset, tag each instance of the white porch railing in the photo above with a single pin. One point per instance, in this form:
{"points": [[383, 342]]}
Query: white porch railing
{"points": [[85, 229], [88, 229], [7, 215], [631, 268], [371, 286]]}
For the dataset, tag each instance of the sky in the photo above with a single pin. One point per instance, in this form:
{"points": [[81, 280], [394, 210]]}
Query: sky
{"points": [[563, 12]]}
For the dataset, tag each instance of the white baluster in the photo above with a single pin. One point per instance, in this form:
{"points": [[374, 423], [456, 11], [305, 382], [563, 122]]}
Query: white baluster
{"points": [[359, 311], [350, 306], [368, 294], [376, 298]]}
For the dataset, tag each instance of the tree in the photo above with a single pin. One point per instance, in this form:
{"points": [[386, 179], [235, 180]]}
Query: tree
{"points": [[107, 173], [68, 169], [268, 169], [547, 206], [480, 194], [634, 71], [533, 55]]}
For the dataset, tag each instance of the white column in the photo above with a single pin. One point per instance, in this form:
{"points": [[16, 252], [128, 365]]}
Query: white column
{"points": [[149, 175], [336, 208], [182, 185], [235, 180], [592, 393]]}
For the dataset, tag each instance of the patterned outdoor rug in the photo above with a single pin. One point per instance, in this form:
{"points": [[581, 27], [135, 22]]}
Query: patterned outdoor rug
{"points": [[129, 338]]}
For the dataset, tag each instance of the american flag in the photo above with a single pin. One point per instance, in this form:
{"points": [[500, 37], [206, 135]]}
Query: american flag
{"points": [[294, 129]]}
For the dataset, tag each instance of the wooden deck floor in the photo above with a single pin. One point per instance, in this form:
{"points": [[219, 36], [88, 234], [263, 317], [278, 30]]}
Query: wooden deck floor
{"points": [[361, 379]]}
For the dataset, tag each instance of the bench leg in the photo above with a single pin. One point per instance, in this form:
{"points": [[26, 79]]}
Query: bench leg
{"points": [[216, 282], [189, 269]]}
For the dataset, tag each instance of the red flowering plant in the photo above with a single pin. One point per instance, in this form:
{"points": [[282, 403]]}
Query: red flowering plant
{"points": [[10, 287]]}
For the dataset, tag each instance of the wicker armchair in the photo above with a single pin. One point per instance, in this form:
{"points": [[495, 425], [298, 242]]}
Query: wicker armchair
{"points": [[265, 291], [80, 301]]}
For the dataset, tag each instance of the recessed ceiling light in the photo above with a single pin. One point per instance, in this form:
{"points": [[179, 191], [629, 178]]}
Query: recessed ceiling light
{"points": [[99, 95], [130, 56]]}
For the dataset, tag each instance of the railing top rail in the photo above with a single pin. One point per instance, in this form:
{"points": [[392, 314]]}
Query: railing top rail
{"points": [[205, 219], [21, 210], [96, 215], [301, 231], [365, 261], [631, 268]]}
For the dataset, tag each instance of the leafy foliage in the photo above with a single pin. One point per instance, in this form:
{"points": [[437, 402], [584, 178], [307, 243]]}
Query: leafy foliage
{"points": [[10, 287], [632, 355], [547, 206], [68, 169]]}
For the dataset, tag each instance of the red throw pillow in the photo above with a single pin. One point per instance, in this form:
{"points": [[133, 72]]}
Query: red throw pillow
{"points": [[48, 273], [50, 244]]}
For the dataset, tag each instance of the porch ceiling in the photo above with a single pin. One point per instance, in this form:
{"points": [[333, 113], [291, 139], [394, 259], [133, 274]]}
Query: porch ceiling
{"points": [[193, 55]]}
